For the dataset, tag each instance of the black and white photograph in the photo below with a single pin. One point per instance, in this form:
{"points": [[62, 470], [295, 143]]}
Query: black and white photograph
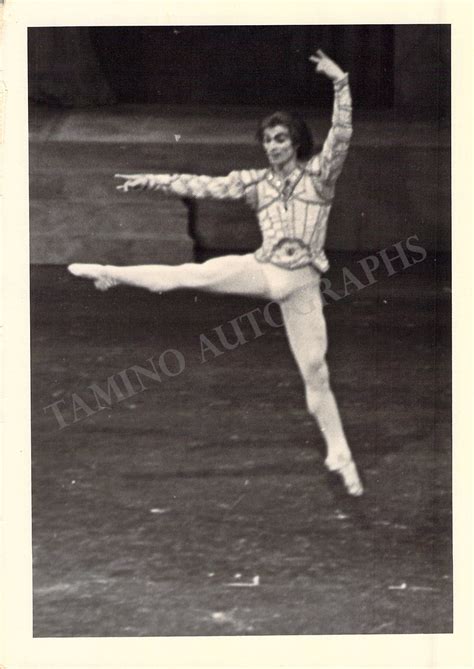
{"points": [[240, 329], [240, 343]]}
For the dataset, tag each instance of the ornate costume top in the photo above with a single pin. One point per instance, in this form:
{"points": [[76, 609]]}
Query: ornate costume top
{"points": [[293, 212]]}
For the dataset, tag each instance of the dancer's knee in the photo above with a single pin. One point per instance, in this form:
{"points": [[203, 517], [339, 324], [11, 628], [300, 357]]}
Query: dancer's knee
{"points": [[194, 275], [317, 384]]}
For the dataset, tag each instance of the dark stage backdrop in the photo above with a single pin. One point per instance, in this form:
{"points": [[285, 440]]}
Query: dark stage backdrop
{"points": [[402, 66], [262, 65]]}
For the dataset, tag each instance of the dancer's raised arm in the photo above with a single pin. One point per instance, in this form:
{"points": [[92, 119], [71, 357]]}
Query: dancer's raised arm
{"points": [[328, 164]]}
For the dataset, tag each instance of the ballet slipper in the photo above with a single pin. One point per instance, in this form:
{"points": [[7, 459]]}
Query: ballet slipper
{"points": [[347, 470], [98, 273]]}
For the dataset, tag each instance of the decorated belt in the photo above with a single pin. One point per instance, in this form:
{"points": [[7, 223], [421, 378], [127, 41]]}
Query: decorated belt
{"points": [[290, 251]]}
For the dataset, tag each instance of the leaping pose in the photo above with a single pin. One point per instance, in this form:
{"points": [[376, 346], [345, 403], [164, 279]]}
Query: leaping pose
{"points": [[292, 199]]}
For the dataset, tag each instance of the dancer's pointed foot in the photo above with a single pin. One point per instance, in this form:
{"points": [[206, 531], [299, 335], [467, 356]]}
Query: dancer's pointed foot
{"points": [[98, 273], [347, 470]]}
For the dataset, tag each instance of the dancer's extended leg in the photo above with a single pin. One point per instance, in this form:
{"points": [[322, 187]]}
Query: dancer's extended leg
{"points": [[302, 312], [227, 274], [306, 329]]}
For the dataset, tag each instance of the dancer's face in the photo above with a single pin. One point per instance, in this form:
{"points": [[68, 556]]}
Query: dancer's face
{"points": [[278, 146]]}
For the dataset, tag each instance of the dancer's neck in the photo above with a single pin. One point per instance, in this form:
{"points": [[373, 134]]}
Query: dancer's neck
{"points": [[286, 169]]}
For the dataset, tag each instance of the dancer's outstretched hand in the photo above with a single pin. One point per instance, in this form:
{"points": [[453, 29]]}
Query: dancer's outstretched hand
{"points": [[132, 182], [324, 65]]}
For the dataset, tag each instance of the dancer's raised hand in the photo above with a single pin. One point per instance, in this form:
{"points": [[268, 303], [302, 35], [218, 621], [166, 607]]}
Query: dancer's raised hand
{"points": [[326, 66]]}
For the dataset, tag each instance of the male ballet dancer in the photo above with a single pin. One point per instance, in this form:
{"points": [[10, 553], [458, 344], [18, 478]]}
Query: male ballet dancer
{"points": [[292, 199]]}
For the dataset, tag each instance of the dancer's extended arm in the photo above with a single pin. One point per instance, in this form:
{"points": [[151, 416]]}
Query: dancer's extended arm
{"points": [[328, 164], [236, 185]]}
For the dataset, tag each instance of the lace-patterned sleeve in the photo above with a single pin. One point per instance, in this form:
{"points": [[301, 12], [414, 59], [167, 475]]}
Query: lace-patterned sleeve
{"points": [[327, 165], [235, 186]]}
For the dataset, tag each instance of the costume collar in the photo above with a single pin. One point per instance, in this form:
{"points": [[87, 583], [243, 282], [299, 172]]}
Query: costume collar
{"points": [[279, 181]]}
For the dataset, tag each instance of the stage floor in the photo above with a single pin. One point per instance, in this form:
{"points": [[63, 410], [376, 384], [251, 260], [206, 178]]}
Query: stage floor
{"points": [[200, 506]]}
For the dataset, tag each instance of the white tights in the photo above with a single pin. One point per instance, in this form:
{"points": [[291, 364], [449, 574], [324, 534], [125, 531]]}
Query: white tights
{"points": [[298, 294]]}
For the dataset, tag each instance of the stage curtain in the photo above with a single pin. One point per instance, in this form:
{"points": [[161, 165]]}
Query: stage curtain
{"points": [[64, 69]]}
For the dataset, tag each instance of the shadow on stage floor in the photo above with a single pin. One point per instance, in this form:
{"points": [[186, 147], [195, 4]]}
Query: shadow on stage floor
{"points": [[198, 504]]}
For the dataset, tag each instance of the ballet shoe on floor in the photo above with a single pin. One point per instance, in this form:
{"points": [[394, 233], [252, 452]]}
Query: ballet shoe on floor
{"points": [[97, 273], [347, 471]]}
